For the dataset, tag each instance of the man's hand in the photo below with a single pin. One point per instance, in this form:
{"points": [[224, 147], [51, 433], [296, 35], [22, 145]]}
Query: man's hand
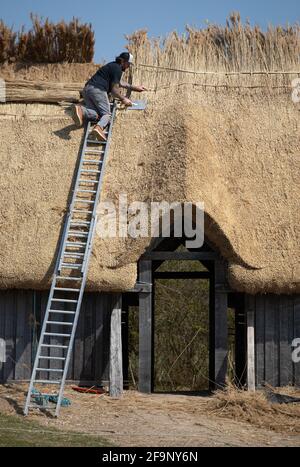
{"points": [[127, 102], [139, 88]]}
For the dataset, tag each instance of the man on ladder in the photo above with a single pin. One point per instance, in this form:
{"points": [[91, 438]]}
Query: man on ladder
{"points": [[95, 93]]}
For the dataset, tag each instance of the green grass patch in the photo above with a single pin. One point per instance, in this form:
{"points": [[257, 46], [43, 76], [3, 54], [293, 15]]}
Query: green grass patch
{"points": [[21, 432]]}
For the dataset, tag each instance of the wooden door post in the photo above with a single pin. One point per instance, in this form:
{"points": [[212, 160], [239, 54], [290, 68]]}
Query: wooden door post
{"points": [[116, 366], [250, 307], [218, 328], [145, 329]]}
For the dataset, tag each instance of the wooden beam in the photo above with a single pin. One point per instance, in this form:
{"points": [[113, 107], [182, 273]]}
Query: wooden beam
{"points": [[179, 255], [182, 275], [250, 307], [141, 287], [145, 330], [116, 365]]}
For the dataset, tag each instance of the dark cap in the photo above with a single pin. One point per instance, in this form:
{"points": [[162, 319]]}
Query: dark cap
{"points": [[127, 57]]}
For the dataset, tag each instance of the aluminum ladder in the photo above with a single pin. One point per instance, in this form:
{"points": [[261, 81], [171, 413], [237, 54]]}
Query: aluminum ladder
{"points": [[65, 296]]}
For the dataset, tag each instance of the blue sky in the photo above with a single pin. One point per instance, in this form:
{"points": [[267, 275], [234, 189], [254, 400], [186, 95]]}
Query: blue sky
{"points": [[111, 20]]}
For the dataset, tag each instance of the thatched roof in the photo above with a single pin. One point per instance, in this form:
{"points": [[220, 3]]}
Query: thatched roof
{"points": [[230, 140]]}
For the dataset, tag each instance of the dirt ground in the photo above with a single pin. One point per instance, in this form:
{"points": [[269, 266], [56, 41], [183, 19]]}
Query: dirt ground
{"points": [[149, 420]]}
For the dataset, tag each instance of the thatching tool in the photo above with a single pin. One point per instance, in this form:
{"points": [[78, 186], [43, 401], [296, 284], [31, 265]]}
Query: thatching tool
{"points": [[136, 105]]}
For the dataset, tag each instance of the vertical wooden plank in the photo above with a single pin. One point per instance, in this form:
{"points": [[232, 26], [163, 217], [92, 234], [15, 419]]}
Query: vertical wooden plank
{"points": [[27, 352], [125, 354], [99, 338], [94, 330], [88, 337], [285, 340], [297, 336], [250, 307], [41, 306], [145, 330], [260, 340], [78, 348], [2, 330], [116, 367], [240, 341], [106, 307], [272, 340], [211, 335], [24, 304], [220, 350], [10, 334]]}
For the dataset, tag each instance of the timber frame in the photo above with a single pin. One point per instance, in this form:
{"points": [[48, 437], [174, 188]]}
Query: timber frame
{"points": [[218, 335]]}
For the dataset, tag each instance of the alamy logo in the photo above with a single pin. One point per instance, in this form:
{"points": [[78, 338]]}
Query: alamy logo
{"points": [[296, 352], [2, 351], [296, 90], [141, 220], [2, 90]]}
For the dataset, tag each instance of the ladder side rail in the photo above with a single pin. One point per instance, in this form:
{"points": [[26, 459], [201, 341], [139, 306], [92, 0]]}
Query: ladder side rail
{"points": [[73, 332], [85, 269], [87, 254], [65, 238], [41, 340], [99, 187], [51, 293]]}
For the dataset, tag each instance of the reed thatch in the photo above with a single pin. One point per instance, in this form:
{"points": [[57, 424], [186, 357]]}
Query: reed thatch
{"points": [[48, 42], [228, 137]]}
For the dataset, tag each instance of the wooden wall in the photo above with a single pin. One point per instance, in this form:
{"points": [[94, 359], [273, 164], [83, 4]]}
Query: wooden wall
{"points": [[277, 323], [22, 311]]}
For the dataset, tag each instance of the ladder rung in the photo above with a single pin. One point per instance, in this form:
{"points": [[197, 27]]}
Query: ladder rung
{"points": [[94, 141], [86, 191], [49, 370], [63, 312], [63, 300], [77, 234], [90, 171], [38, 406], [82, 211], [75, 244], [73, 256], [45, 381], [65, 289], [56, 334], [93, 151], [51, 358], [82, 180], [81, 223], [91, 161], [55, 346], [83, 201], [71, 266], [69, 278], [61, 323]]}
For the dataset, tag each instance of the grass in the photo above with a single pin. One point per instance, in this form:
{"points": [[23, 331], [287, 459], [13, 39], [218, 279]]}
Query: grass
{"points": [[21, 432]]}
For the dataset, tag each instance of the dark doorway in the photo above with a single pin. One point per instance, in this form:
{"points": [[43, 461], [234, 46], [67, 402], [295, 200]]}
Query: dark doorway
{"points": [[156, 366], [181, 329]]}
